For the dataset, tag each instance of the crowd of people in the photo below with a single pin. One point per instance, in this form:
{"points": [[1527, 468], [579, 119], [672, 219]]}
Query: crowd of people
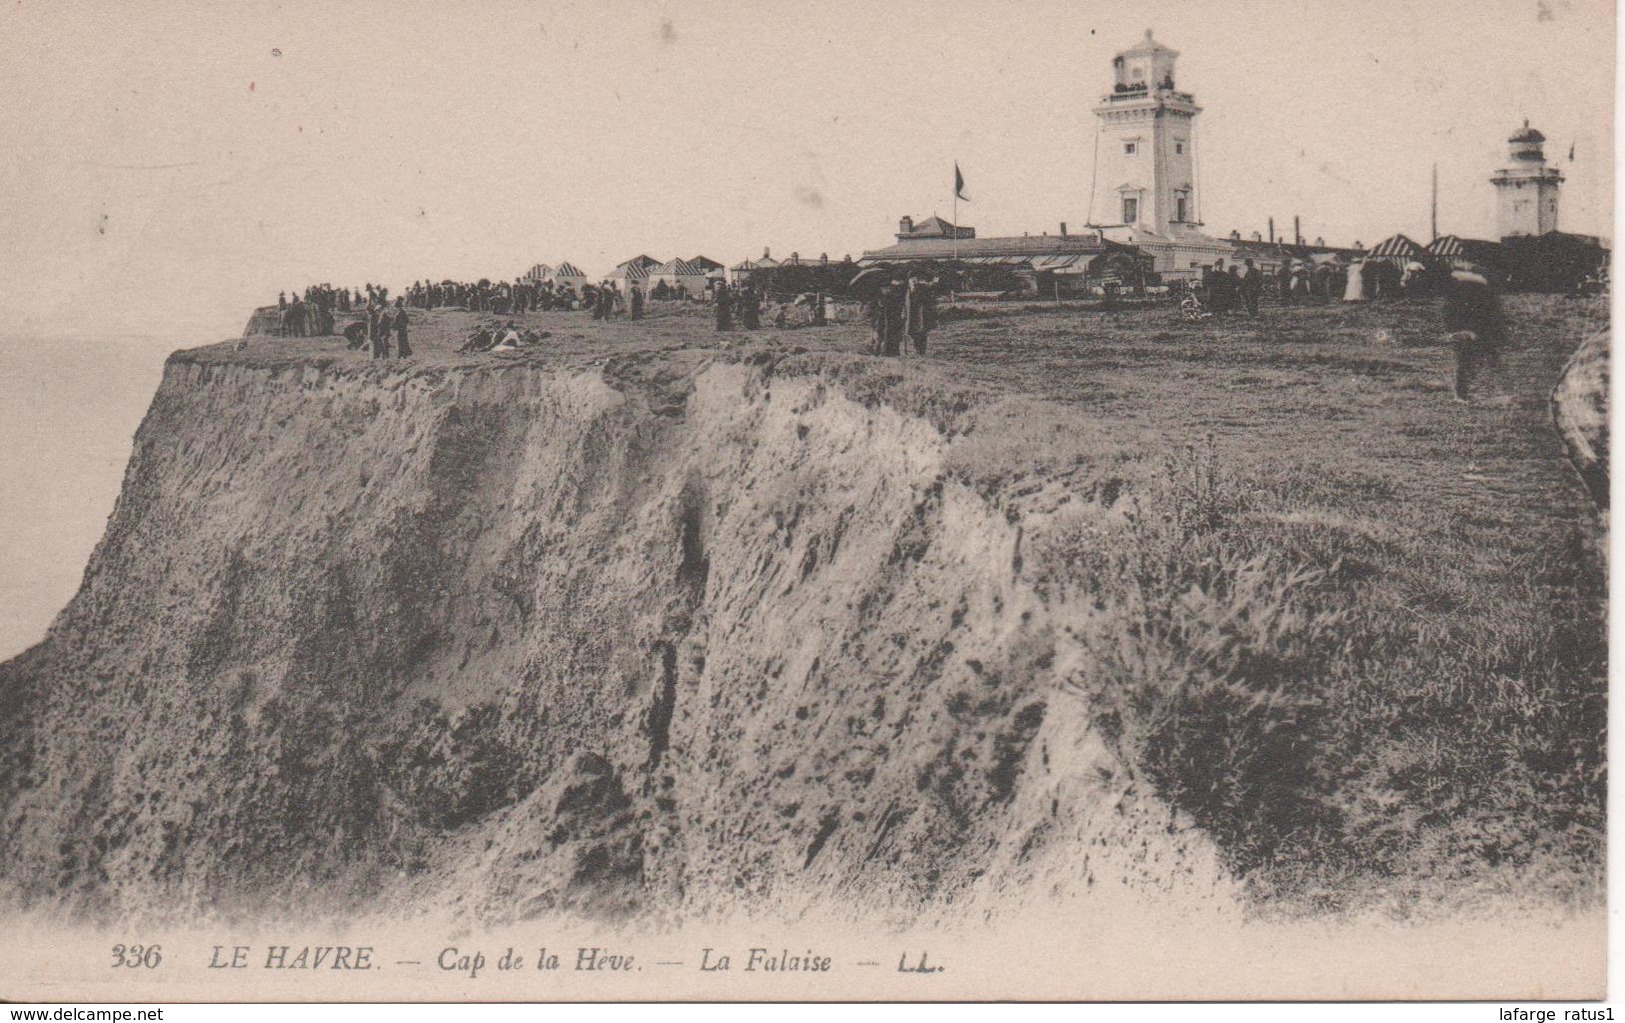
{"points": [[1241, 289], [900, 308], [501, 298], [744, 304]]}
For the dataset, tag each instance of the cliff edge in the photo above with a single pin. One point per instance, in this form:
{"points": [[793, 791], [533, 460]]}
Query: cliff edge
{"points": [[668, 633]]}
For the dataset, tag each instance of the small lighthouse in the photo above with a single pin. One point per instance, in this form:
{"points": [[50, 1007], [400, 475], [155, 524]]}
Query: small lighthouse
{"points": [[1526, 188]]}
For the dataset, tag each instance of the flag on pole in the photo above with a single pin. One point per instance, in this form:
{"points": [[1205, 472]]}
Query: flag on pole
{"points": [[959, 183]]}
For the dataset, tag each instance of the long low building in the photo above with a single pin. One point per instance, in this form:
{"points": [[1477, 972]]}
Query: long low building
{"points": [[1043, 260]]}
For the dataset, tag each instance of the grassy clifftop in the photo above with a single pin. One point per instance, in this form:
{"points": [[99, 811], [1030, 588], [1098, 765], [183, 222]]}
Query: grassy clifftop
{"points": [[647, 616]]}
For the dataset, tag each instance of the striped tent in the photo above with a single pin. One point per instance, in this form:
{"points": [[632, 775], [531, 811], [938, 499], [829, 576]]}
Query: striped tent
{"points": [[677, 268], [631, 271], [679, 273], [1447, 246], [567, 273], [1475, 253], [1399, 249]]}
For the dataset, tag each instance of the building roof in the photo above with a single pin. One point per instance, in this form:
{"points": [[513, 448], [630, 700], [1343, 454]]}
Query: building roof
{"points": [[1527, 134], [705, 264], [644, 261], [935, 227], [630, 271], [566, 269], [984, 248]]}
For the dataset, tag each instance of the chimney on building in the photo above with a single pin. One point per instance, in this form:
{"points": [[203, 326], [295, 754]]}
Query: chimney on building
{"points": [[905, 225], [1272, 230], [765, 253], [1297, 233], [1256, 238], [1063, 229], [823, 257], [1235, 235], [1320, 243]]}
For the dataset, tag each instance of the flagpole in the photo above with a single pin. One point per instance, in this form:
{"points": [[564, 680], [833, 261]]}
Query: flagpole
{"points": [[953, 279]]}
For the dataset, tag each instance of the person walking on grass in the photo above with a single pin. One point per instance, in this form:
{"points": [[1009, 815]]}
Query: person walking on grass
{"points": [[1475, 326]]}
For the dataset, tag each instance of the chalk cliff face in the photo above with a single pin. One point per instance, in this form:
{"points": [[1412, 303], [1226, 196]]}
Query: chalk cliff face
{"points": [[664, 635]]}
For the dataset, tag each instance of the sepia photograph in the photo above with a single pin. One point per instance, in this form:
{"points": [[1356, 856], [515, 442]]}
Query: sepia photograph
{"points": [[739, 501]]}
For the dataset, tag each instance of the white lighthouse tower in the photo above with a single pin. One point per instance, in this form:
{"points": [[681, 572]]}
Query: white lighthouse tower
{"points": [[1526, 188], [1145, 192]]}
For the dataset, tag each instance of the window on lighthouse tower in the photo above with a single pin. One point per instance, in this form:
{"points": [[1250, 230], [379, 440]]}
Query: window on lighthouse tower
{"points": [[1131, 211]]}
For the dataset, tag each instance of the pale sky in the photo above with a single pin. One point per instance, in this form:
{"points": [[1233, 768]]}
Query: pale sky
{"points": [[166, 169]]}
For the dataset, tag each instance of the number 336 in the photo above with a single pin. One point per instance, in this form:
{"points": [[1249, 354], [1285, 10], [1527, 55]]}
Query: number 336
{"points": [[135, 957]]}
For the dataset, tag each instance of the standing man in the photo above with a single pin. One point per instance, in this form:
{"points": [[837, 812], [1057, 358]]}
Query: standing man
{"points": [[894, 310], [1234, 287], [402, 349], [1283, 282], [725, 308], [378, 330], [1252, 286], [921, 312], [635, 301], [876, 310]]}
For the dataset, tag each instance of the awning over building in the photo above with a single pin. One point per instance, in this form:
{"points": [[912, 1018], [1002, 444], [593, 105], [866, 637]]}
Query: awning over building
{"points": [[1055, 262]]}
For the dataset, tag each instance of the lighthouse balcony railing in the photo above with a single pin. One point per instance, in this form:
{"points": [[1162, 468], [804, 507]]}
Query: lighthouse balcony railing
{"points": [[1134, 94]]}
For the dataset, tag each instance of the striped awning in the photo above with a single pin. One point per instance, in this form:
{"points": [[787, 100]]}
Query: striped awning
{"points": [[1397, 247], [630, 272], [1448, 245], [566, 270]]}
